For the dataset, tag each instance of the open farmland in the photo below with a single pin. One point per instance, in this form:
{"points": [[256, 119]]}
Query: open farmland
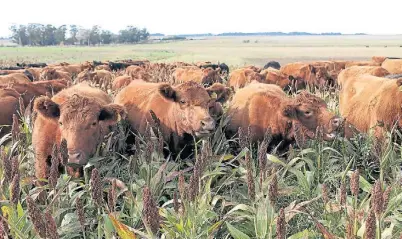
{"points": [[231, 50], [229, 187]]}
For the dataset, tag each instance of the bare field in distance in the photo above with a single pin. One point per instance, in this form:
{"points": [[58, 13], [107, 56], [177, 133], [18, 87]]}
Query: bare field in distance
{"points": [[234, 51]]}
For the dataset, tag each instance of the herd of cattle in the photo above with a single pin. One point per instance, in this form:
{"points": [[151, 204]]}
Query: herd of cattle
{"points": [[78, 104]]}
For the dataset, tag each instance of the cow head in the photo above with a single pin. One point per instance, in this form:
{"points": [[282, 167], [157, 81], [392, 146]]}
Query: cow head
{"points": [[48, 74], [252, 75], [87, 66], [211, 76], [193, 107], [83, 122], [312, 112], [322, 77], [279, 78], [220, 92], [86, 75]]}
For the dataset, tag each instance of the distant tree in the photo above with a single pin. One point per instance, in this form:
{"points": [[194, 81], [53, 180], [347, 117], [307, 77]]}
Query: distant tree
{"points": [[34, 31], [60, 34], [83, 36], [35, 34], [133, 35], [19, 34], [94, 35], [73, 34], [144, 34], [106, 37], [49, 36]]}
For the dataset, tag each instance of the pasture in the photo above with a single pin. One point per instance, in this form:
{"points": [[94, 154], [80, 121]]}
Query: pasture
{"points": [[231, 50], [316, 189]]}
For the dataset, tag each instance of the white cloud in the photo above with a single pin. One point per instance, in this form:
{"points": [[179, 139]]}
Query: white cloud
{"points": [[180, 16]]}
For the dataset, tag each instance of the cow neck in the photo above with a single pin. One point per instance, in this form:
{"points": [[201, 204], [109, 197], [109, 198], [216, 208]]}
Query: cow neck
{"points": [[176, 120]]}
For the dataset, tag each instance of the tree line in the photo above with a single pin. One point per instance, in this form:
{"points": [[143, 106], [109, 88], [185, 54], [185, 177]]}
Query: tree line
{"points": [[35, 34]]}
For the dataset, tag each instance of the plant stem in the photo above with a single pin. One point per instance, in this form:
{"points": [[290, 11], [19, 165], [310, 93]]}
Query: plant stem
{"points": [[379, 228], [355, 216], [99, 223]]}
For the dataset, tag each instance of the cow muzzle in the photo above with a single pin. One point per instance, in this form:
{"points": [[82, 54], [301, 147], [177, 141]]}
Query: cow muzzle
{"points": [[76, 159], [336, 122], [335, 125], [207, 127]]}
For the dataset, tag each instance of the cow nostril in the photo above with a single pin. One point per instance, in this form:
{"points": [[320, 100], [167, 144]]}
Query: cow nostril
{"points": [[336, 121]]}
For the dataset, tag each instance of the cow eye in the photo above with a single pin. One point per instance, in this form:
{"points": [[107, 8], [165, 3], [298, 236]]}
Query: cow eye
{"points": [[182, 102], [60, 123], [94, 123], [307, 112]]}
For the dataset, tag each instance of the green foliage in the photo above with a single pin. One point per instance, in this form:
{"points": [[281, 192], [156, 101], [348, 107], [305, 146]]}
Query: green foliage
{"points": [[307, 184]]}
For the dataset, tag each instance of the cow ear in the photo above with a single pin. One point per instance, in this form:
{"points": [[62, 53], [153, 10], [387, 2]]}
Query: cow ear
{"points": [[168, 92], [312, 69], [205, 71], [289, 111], [112, 113], [212, 93], [248, 72], [399, 82], [291, 78], [47, 108]]}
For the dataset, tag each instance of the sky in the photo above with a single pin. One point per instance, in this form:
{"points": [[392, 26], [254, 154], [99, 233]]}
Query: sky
{"points": [[210, 16]]}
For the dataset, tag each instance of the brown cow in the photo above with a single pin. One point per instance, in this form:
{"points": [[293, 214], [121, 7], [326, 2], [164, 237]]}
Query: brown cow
{"points": [[53, 74], [222, 92], [276, 77], [394, 66], [100, 77], [303, 74], [81, 115], [74, 69], [267, 107], [14, 78], [378, 59], [103, 67], [371, 103], [35, 73], [121, 82], [183, 110], [137, 72], [361, 63], [27, 91], [206, 76], [9, 104], [355, 71], [241, 77]]}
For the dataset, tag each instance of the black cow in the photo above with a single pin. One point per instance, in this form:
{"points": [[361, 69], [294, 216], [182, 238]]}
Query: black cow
{"points": [[273, 64], [36, 65], [98, 63], [393, 76], [222, 66], [26, 72], [12, 68], [115, 66]]}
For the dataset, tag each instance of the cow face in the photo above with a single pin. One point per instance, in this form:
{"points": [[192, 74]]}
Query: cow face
{"points": [[83, 123], [193, 107], [312, 112], [322, 77], [211, 76], [220, 93], [48, 74]]}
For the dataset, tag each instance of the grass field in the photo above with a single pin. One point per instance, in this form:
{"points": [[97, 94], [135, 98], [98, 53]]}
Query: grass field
{"points": [[230, 50], [317, 189]]}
